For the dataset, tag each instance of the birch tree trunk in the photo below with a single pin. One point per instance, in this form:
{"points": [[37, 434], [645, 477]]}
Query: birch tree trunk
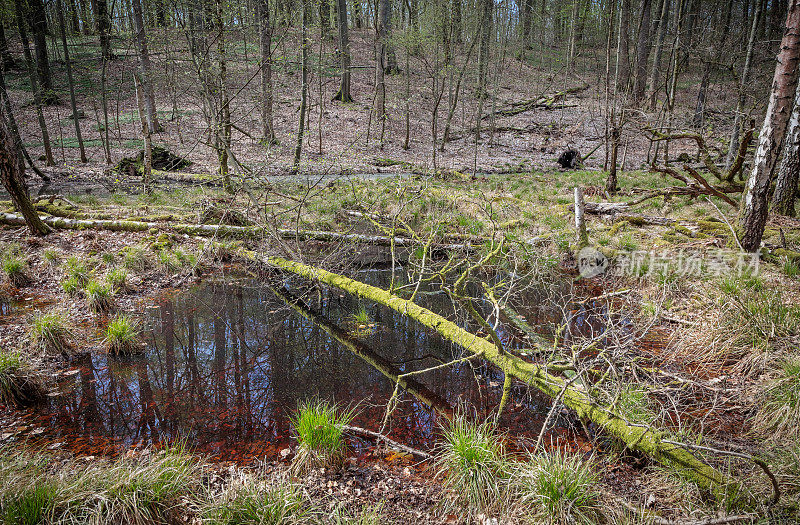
{"points": [[786, 183], [754, 204], [343, 95], [145, 68], [12, 173]]}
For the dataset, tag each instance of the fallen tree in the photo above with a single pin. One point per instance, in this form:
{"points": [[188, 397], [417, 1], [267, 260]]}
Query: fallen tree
{"points": [[223, 231], [641, 438]]}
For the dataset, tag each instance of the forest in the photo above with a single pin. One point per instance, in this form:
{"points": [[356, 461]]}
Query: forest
{"points": [[392, 261]]}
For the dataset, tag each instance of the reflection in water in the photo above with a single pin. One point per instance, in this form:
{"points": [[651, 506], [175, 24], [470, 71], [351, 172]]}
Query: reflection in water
{"points": [[226, 364]]}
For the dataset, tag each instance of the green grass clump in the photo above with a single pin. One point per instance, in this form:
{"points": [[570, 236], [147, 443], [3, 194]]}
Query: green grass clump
{"points": [[14, 267], [71, 285], [474, 464], [779, 413], [50, 333], [20, 386], [361, 317], [560, 487], [251, 503], [369, 515], [77, 270], [320, 427], [122, 335], [791, 268], [136, 258], [634, 404], [117, 279], [761, 318], [28, 507], [99, 297]]}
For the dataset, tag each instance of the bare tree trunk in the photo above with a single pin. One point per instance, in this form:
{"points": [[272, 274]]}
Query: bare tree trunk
{"points": [[381, 44], [298, 150], [145, 68], [100, 8], [526, 11], [786, 183], [146, 135], [12, 173], [487, 28], [73, 103], [343, 94], [754, 204], [266, 71], [456, 20], [38, 21], [642, 54], [37, 97], [224, 129], [655, 69], [624, 74], [737, 121], [6, 58]]}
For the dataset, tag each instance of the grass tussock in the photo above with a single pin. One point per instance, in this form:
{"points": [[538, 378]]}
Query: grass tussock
{"points": [[319, 426], [779, 412], [122, 335], [560, 487], [20, 385], [117, 280], [14, 267], [474, 465], [126, 491], [99, 297], [136, 258], [249, 502], [77, 270], [50, 332]]}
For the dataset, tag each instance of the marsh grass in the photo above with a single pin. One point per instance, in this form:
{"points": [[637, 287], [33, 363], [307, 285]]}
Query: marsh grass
{"points": [[779, 413], [136, 258], [77, 270], [250, 502], [319, 426], [560, 487], [99, 297], [20, 385], [50, 333], [122, 335], [15, 269], [361, 317], [117, 280], [474, 465], [71, 285], [368, 515]]}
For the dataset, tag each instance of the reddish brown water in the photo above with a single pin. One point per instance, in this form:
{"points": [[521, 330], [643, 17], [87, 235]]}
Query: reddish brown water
{"points": [[226, 364]]}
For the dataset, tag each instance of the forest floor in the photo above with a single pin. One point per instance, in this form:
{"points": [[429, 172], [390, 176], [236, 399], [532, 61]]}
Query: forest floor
{"points": [[710, 342], [710, 336]]}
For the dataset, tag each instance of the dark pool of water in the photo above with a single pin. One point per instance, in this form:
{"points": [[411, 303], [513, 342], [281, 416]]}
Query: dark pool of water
{"points": [[227, 363]]}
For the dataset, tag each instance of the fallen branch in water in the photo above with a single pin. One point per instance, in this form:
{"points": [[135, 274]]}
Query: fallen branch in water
{"points": [[641, 438]]}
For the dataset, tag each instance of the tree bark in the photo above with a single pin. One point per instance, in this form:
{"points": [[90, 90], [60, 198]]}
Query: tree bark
{"points": [[265, 41], [12, 173], [304, 45], [38, 21], [487, 28], [754, 204], [624, 74], [73, 103], [6, 58], [343, 95], [737, 121], [642, 54], [145, 67], [655, 69], [100, 8], [786, 183], [37, 96], [381, 44]]}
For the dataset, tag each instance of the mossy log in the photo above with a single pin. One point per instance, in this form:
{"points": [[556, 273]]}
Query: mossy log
{"points": [[644, 439], [221, 231]]}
